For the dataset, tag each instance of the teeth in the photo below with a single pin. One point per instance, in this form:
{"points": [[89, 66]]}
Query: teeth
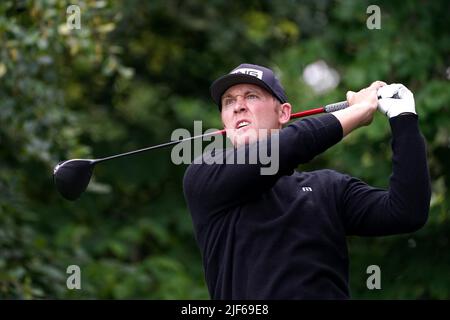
{"points": [[242, 124]]}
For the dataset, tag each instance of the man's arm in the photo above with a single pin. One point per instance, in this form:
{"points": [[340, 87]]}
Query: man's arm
{"points": [[211, 188], [404, 207]]}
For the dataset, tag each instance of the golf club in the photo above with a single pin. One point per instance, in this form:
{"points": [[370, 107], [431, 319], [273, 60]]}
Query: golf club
{"points": [[71, 177]]}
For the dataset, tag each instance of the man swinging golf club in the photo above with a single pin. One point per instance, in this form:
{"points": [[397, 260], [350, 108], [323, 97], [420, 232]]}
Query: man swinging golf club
{"points": [[283, 236]]}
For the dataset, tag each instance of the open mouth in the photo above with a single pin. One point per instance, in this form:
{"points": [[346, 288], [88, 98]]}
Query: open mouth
{"points": [[241, 124]]}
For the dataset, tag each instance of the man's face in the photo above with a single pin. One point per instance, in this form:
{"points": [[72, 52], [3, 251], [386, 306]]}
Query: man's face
{"points": [[246, 108]]}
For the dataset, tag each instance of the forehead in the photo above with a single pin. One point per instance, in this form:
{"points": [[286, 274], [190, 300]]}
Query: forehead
{"points": [[243, 88]]}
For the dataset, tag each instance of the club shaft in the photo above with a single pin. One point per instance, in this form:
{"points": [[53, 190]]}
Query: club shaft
{"points": [[328, 108], [306, 113], [162, 145]]}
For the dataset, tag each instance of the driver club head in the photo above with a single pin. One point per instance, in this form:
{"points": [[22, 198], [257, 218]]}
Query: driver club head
{"points": [[72, 177]]}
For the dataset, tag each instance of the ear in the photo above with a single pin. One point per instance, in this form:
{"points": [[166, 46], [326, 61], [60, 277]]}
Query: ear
{"points": [[221, 120], [223, 123], [284, 113]]}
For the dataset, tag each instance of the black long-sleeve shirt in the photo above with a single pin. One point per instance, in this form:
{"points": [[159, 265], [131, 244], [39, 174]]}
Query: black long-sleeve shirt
{"points": [[283, 236]]}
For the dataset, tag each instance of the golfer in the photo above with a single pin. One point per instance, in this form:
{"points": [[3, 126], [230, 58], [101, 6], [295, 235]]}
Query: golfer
{"points": [[283, 236]]}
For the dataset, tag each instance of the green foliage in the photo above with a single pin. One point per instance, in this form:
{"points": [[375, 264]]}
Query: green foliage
{"points": [[137, 70]]}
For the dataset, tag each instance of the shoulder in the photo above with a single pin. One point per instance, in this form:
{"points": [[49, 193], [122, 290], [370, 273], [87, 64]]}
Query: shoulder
{"points": [[203, 163], [326, 174], [328, 180]]}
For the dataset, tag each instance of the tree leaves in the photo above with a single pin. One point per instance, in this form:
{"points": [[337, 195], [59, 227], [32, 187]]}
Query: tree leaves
{"points": [[135, 72]]}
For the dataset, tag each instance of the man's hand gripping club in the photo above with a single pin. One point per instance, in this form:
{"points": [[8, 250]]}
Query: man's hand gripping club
{"points": [[390, 100]]}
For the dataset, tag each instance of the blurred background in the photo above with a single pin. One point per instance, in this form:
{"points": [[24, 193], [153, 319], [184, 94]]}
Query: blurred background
{"points": [[137, 70]]}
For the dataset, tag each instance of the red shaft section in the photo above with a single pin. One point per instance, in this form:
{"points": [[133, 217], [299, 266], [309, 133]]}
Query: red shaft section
{"points": [[307, 113]]}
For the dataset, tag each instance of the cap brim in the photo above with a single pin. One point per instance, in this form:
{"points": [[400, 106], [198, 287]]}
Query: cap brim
{"points": [[221, 85]]}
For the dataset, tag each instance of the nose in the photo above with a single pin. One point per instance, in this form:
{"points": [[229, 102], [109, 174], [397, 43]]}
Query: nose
{"points": [[240, 104]]}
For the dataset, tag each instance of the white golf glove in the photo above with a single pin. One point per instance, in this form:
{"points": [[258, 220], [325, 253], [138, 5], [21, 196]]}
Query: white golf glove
{"points": [[403, 102]]}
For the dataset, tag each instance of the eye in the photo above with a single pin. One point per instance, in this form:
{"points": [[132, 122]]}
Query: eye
{"points": [[227, 101], [252, 96]]}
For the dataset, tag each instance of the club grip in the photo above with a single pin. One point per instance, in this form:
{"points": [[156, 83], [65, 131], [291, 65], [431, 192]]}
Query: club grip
{"points": [[336, 106], [344, 104]]}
